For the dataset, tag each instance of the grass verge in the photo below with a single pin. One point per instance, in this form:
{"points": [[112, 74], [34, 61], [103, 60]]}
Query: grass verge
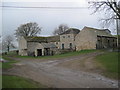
{"points": [[69, 54], [108, 62], [9, 62], [0, 64], [0, 81], [19, 82]]}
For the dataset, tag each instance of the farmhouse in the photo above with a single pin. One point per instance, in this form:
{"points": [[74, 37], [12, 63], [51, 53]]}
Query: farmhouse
{"points": [[71, 40]]}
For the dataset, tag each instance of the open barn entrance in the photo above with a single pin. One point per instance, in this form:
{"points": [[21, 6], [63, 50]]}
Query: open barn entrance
{"points": [[47, 52], [39, 52]]}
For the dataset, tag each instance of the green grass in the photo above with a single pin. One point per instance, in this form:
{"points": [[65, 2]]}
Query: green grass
{"points": [[0, 64], [109, 63], [19, 82], [7, 65], [0, 81], [69, 54]]}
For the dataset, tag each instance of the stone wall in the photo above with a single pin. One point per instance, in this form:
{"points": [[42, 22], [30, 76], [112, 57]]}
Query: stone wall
{"points": [[32, 48], [85, 40], [22, 46]]}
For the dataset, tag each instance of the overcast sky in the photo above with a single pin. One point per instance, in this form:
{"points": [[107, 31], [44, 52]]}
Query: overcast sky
{"points": [[48, 18]]}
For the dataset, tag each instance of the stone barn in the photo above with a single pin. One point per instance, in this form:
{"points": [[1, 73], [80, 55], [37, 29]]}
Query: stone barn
{"points": [[37, 46], [71, 40], [91, 38], [42, 46]]}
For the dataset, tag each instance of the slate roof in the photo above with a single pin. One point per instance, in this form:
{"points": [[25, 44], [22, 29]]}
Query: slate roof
{"points": [[48, 45], [107, 36], [100, 32], [35, 39], [71, 31], [43, 39]]}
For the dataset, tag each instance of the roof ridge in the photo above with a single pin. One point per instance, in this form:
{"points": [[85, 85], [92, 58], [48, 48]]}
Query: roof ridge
{"points": [[96, 28]]}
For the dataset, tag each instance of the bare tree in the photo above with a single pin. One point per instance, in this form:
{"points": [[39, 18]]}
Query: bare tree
{"points": [[109, 7], [112, 9], [61, 28], [7, 43], [28, 29]]}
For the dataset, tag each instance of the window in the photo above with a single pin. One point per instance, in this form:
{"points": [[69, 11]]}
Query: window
{"points": [[108, 43], [113, 40], [69, 36], [56, 43], [63, 36], [62, 46], [70, 45]]}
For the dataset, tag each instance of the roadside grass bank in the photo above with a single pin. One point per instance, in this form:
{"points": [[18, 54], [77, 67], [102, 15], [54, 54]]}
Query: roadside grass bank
{"points": [[0, 64], [19, 82], [108, 62], [69, 54], [0, 81], [9, 81], [8, 63]]}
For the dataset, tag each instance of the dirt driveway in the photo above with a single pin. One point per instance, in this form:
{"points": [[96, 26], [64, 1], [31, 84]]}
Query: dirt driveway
{"points": [[58, 74]]}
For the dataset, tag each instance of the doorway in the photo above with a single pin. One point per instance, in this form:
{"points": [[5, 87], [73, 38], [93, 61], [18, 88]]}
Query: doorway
{"points": [[47, 51], [39, 52], [63, 46]]}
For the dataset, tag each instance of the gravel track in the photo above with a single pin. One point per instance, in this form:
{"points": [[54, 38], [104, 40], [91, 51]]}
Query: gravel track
{"points": [[50, 73]]}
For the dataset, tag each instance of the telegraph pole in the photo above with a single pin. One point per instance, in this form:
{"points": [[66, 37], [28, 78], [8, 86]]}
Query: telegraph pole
{"points": [[117, 27]]}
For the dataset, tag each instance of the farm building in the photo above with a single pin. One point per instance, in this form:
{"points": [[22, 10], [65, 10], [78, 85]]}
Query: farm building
{"points": [[91, 38], [72, 39], [42, 46]]}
